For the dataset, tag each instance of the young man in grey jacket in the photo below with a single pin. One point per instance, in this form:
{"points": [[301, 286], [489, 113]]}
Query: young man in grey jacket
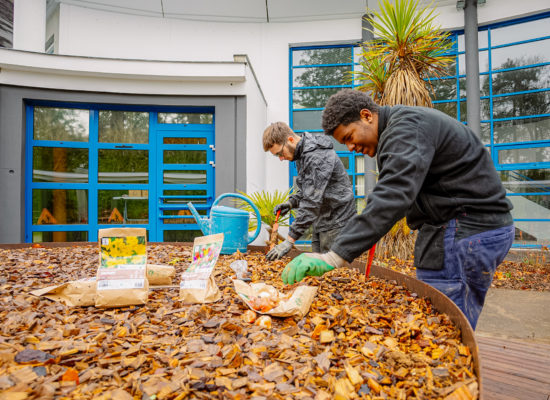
{"points": [[322, 196], [436, 172]]}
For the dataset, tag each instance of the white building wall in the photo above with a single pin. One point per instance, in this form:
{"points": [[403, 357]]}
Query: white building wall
{"points": [[95, 33], [29, 25]]}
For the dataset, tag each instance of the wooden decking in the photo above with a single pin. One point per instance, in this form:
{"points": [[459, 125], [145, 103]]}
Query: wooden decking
{"points": [[514, 369]]}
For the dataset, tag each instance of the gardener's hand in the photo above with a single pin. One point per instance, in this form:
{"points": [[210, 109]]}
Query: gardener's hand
{"points": [[279, 251], [284, 207], [311, 264]]}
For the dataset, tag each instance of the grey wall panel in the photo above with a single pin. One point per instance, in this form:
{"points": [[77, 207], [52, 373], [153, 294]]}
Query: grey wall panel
{"points": [[230, 142]]}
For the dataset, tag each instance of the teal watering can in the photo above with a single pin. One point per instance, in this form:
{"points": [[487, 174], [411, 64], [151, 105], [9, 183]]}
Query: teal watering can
{"points": [[232, 222]]}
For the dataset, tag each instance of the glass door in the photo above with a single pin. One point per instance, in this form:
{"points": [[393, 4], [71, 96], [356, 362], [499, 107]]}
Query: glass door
{"points": [[184, 173]]}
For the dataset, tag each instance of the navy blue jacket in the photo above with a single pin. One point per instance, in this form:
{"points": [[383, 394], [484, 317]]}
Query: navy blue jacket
{"points": [[431, 168]]}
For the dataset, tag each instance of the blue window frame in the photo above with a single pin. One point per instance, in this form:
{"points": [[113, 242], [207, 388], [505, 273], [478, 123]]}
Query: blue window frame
{"points": [[317, 72], [93, 166], [515, 108], [515, 114]]}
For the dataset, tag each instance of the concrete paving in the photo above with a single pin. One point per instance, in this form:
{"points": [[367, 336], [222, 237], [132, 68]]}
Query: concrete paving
{"points": [[518, 314]]}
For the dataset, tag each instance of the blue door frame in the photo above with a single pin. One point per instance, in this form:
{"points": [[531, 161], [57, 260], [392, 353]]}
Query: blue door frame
{"points": [[158, 203]]}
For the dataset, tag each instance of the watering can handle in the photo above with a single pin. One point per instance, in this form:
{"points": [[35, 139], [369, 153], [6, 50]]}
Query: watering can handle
{"points": [[251, 237]]}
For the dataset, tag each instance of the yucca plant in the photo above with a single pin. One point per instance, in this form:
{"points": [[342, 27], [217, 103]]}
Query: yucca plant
{"points": [[265, 202], [408, 49]]}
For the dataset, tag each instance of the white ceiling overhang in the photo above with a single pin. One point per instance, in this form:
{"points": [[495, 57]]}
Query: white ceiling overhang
{"points": [[239, 10], [23, 68]]}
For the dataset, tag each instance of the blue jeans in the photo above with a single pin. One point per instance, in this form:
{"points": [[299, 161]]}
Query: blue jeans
{"points": [[468, 267]]}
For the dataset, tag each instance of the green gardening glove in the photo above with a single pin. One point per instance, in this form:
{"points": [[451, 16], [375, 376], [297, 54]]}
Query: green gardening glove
{"points": [[310, 264]]}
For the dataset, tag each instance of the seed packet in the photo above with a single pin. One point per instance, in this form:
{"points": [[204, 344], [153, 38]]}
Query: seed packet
{"points": [[197, 282], [121, 275]]}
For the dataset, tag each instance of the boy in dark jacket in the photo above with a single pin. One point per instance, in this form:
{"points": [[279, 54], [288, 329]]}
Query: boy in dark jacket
{"points": [[322, 196], [436, 172]]}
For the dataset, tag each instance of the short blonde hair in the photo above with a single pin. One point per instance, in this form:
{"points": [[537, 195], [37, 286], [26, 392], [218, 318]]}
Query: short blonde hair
{"points": [[276, 133]]}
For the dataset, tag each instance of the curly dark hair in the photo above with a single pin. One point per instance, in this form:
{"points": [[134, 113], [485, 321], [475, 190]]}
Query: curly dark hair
{"points": [[344, 107]]}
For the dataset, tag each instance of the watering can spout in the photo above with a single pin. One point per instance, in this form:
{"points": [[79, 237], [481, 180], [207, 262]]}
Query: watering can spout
{"points": [[202, 222]]}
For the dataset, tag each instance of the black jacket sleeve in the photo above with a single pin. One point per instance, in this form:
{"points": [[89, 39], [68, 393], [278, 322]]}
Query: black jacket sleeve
{"points": [[404, 157]]}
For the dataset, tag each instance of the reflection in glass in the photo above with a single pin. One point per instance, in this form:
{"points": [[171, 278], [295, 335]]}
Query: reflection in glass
{"points": [[522, 130], [532, 207], [181, 236], [521, 105], [485, 132], [185, 118], [336, 55], [524, 155], [520, 80], [123, 166], [526, 180], [184, 193], [321, 76], [184, 216], [184, 140], [345, 161], [448, 108], [360, 164], [184, 177], [531, 232], [507, 57], [519, 32], [123, 127], [59, 164], [483, 86], [69, 236], [59, 206], [307, 120], [184, 157], [63, 124], [312, 98], [123, 206], [443, 89]]}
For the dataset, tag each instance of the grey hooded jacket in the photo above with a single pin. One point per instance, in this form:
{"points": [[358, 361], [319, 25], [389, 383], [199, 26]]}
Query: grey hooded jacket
{"points": [[322, 195]]}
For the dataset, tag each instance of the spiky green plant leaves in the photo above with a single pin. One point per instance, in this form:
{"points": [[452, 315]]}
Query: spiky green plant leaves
{"points": [[265, 202], [409, 48]]}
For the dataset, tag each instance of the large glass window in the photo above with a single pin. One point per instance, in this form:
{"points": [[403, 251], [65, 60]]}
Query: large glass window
{"points": [[514, 63], [317, 73], [514, 68]]}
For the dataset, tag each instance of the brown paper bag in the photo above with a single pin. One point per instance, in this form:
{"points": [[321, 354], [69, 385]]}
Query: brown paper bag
{"points": [[81, 293], [296, 303], [197, 283], [160, 274], [121, 274]]}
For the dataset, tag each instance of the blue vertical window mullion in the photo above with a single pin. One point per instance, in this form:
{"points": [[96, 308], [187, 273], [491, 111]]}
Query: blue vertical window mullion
{"points": [[154, 192], [29, 118], [93, 176], [494, 155]]}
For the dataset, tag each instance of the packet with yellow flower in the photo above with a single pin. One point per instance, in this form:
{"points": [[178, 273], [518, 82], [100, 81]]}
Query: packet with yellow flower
{"points": [[197, 283], [121, 275]]}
